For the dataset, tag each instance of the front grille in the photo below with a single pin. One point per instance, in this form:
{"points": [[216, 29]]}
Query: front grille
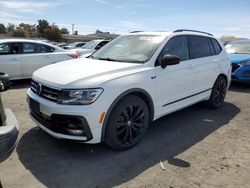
{"points": [[45, 91], [235, 67]]}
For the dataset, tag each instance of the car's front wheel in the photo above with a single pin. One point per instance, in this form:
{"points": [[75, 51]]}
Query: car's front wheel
{"points": [[127, 123]]}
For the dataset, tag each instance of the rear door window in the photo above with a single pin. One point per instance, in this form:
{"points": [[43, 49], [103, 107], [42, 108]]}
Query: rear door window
{"points": [[28, 48], [36, 48], [199, 47]]}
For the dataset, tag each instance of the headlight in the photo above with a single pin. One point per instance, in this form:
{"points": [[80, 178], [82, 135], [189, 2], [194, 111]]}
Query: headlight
{"points": [[79, 97], [246, 63]]}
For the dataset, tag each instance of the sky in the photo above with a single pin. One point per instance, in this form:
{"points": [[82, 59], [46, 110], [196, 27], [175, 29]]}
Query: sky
{"points": [[219, 17]]}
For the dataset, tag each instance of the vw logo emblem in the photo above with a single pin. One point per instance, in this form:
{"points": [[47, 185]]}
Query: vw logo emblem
{"points": [[39, 89]]}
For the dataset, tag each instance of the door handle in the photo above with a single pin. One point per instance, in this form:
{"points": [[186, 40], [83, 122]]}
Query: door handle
{"points": [[46, 56]]}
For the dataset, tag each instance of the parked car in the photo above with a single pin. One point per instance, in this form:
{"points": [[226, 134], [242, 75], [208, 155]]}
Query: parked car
{"points": [[74, 45], [90, 47], [8, 124], [19, 58], [61, 44], [137, 78], [240, 56]]}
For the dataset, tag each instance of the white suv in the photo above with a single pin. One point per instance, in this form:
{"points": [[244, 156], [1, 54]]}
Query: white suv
{"points": [[135, 79]]}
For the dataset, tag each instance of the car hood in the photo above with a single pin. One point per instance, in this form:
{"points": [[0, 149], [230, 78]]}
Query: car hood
{"points": [[83, 73], [239, 58]]}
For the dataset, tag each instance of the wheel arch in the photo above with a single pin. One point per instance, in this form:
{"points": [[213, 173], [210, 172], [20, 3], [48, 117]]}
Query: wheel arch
{"points": [[224, 76], [144, 95]]}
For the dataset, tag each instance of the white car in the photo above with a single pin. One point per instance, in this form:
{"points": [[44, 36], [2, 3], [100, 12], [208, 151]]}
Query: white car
{"points": [[74, 45], [19, 58], [90, 47], [135, 79]]}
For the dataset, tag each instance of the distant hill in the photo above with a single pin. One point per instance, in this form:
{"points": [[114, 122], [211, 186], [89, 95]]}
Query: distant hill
{"points": [[226, 39]]}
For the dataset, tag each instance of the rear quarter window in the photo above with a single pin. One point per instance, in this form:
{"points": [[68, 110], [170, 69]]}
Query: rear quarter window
{"points": [[217, 46], [50, 49], [199, 47]]}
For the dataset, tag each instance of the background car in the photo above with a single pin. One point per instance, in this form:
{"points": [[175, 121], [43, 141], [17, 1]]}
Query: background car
{"points": [[240, 56], [8, 124], [74, 45], [19, 58], [90, 47]]}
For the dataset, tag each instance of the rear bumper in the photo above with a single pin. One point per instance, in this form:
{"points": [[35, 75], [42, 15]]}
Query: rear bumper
{"points": [[8, 135]]}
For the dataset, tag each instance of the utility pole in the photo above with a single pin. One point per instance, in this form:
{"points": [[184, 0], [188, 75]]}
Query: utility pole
{"points": [[72, 28]]}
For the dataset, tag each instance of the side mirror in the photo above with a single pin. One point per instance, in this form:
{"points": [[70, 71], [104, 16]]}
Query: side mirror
{"points": [[97, 47], [169, 60], [4, 82]]}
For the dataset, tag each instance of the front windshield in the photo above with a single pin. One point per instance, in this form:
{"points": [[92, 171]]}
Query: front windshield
{"points": [[130, 48], [90, 45], [238, 48]]}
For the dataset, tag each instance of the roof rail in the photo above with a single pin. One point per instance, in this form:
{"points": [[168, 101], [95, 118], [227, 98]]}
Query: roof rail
{"points": [[181, 30], [136, 31]]}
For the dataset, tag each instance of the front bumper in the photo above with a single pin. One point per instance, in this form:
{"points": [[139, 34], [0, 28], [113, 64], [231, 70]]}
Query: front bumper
{"points": [[62, 126], [8, 135], [74, 122], [241, 73]]}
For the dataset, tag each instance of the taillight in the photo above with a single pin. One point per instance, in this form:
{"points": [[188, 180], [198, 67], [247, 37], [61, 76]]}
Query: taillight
{"points": [[74, 55]]}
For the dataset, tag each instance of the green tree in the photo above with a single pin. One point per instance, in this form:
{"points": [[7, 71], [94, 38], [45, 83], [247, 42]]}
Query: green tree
{"points": [[30, 30], [42, 27], [64, 31], [2, 28], [10, 28], [53, 33], [19, 32]]}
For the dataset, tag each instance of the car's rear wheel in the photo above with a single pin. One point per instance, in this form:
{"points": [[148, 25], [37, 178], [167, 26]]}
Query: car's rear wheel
{"points": [[127, 123], [218, 93]]}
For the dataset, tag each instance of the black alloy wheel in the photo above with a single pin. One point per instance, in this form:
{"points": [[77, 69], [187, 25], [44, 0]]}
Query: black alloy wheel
{"points": [[128, 123], [218, 94]]}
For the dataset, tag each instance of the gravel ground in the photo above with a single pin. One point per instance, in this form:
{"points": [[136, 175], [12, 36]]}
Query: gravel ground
{"points": [[198, 148]]}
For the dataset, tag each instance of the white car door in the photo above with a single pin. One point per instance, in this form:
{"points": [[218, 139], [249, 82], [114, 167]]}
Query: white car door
{"points": [[34, 56], [175, 83], [10, 60]]}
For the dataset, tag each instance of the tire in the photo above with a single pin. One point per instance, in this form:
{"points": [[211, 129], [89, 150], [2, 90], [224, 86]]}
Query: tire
{"points": [[127, 124], [218, 93]]}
